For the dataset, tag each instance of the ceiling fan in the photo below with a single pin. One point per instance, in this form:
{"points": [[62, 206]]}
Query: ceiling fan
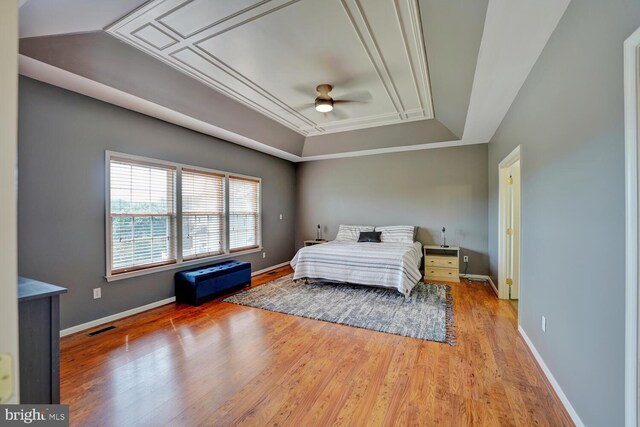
{"points": [[324, 102]]}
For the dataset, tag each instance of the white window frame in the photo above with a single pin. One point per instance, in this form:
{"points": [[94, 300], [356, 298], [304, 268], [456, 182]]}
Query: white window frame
{"points": [[180, 262]]}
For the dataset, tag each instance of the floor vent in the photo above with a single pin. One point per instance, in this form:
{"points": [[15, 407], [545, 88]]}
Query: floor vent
{"points": [[99, 331]]}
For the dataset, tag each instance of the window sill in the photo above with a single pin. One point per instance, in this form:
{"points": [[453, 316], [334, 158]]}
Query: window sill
{"points": [[190, 263]]}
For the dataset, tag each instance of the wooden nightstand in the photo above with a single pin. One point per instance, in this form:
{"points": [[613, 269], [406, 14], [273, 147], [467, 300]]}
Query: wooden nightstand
{"points": [[314, 242], [441, 263]]}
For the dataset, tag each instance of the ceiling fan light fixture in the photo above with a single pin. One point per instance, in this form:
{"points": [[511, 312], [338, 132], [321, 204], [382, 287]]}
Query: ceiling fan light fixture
{"points": [[324, 105]]}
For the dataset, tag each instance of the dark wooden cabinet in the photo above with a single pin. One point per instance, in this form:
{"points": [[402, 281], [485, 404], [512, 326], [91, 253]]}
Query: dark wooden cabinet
{"points": [[39, 334]]}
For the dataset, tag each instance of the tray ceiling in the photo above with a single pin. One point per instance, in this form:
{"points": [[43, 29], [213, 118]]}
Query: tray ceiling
{"points": [[270, 55]]}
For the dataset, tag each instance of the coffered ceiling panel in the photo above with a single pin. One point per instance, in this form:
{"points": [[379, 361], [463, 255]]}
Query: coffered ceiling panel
{"points": [[270, 55]]}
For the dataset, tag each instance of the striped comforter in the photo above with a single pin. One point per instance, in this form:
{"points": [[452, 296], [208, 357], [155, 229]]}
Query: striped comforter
{"points": [[389, 265]]}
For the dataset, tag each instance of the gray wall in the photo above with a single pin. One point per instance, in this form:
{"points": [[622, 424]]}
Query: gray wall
{"points": [[429, 188], [568, 119], [62, 141]]}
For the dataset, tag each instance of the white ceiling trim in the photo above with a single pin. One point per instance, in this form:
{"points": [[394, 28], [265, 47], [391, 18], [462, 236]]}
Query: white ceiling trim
{"points": [[186, 49], [367, 122], [55, 76], [515, 33], [416, 147], [361, 26], [47, 73]]}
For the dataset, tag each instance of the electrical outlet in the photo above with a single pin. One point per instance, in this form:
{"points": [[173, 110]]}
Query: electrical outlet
{"points": [[97, 293], [264, 254], [280, 216], [544, 324], [465, 258]]}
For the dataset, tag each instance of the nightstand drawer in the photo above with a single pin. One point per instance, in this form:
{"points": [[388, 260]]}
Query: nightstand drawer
{"points": [[441, 261], [438, 273]]}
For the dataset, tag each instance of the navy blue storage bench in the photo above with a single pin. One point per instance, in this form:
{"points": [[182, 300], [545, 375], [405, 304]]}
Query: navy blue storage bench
{"points": [[200, 284]]}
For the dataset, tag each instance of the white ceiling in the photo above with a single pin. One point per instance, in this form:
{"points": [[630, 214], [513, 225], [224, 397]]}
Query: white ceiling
{"points": [[270, 55]]}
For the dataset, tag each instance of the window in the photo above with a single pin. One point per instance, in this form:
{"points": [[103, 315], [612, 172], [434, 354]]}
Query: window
{"points": [[143, 216], [162, 214], [203, 227], [244, 221]]}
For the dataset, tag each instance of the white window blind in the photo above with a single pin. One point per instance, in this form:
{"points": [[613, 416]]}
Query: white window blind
{"points": [[219, 215], [203, 214], [244, 213], [142, 215]]}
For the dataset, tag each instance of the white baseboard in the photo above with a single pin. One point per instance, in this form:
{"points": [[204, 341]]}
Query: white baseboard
{"points": [[127, 313], [474, 276], [273, 267], [556, 387], [493, 285], [113, 317]]}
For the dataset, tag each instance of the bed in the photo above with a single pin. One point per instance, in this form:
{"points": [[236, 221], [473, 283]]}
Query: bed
{"points": [[388, 264]]}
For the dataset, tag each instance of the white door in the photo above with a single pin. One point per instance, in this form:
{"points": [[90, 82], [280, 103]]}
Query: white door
{"points": [[513, 230], [8, 198]]}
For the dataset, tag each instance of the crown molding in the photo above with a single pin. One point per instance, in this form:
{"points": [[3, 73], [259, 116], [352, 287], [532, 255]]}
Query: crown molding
{"points": [[414, 147]]}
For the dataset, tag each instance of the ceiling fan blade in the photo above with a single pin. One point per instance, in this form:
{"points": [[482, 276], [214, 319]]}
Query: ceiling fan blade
{"points": [[362, 96], [341, 75], [300, 107], [308, 91], [336, 115]]}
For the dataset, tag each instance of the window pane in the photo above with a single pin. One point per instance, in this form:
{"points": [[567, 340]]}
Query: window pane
{"points": [[160, 226], [122, 228], [137, 188], [203, 225], [244, 213], [142, 215]]}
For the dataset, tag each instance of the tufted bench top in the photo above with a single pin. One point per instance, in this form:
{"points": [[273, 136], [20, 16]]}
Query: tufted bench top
{"points": [[212, 271]]}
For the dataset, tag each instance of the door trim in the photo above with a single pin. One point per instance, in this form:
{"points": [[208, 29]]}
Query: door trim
{"points": [[503, 288], [632, 222], [8, 189]]}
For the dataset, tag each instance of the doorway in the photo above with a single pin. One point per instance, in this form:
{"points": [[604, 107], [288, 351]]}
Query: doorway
{"points": [[509, 228]]}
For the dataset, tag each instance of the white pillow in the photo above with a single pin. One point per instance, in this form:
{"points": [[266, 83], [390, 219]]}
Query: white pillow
{"points": [[397, 233], [352, 232]]}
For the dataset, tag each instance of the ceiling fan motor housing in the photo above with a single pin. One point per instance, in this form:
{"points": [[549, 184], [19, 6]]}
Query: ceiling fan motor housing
{"points": [[324, 102]]}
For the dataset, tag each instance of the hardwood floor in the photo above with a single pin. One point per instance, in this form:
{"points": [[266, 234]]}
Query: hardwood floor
{"points": [[224, 364]]}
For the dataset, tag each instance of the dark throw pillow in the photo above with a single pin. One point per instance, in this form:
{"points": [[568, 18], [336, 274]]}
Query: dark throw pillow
{"points": [[370, 236]]}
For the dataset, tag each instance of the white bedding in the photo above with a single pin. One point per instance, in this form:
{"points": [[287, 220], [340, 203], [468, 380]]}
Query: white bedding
{"points": [[390, 265]]}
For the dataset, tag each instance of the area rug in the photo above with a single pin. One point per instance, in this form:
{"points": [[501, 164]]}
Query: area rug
{"points": [[427, 314]]}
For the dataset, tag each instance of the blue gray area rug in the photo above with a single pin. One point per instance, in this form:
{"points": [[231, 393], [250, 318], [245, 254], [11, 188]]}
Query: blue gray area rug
{"points": [[427, 314]]}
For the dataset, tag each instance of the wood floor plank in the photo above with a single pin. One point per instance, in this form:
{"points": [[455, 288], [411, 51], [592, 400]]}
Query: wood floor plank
{"points": [[225, 364]]}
